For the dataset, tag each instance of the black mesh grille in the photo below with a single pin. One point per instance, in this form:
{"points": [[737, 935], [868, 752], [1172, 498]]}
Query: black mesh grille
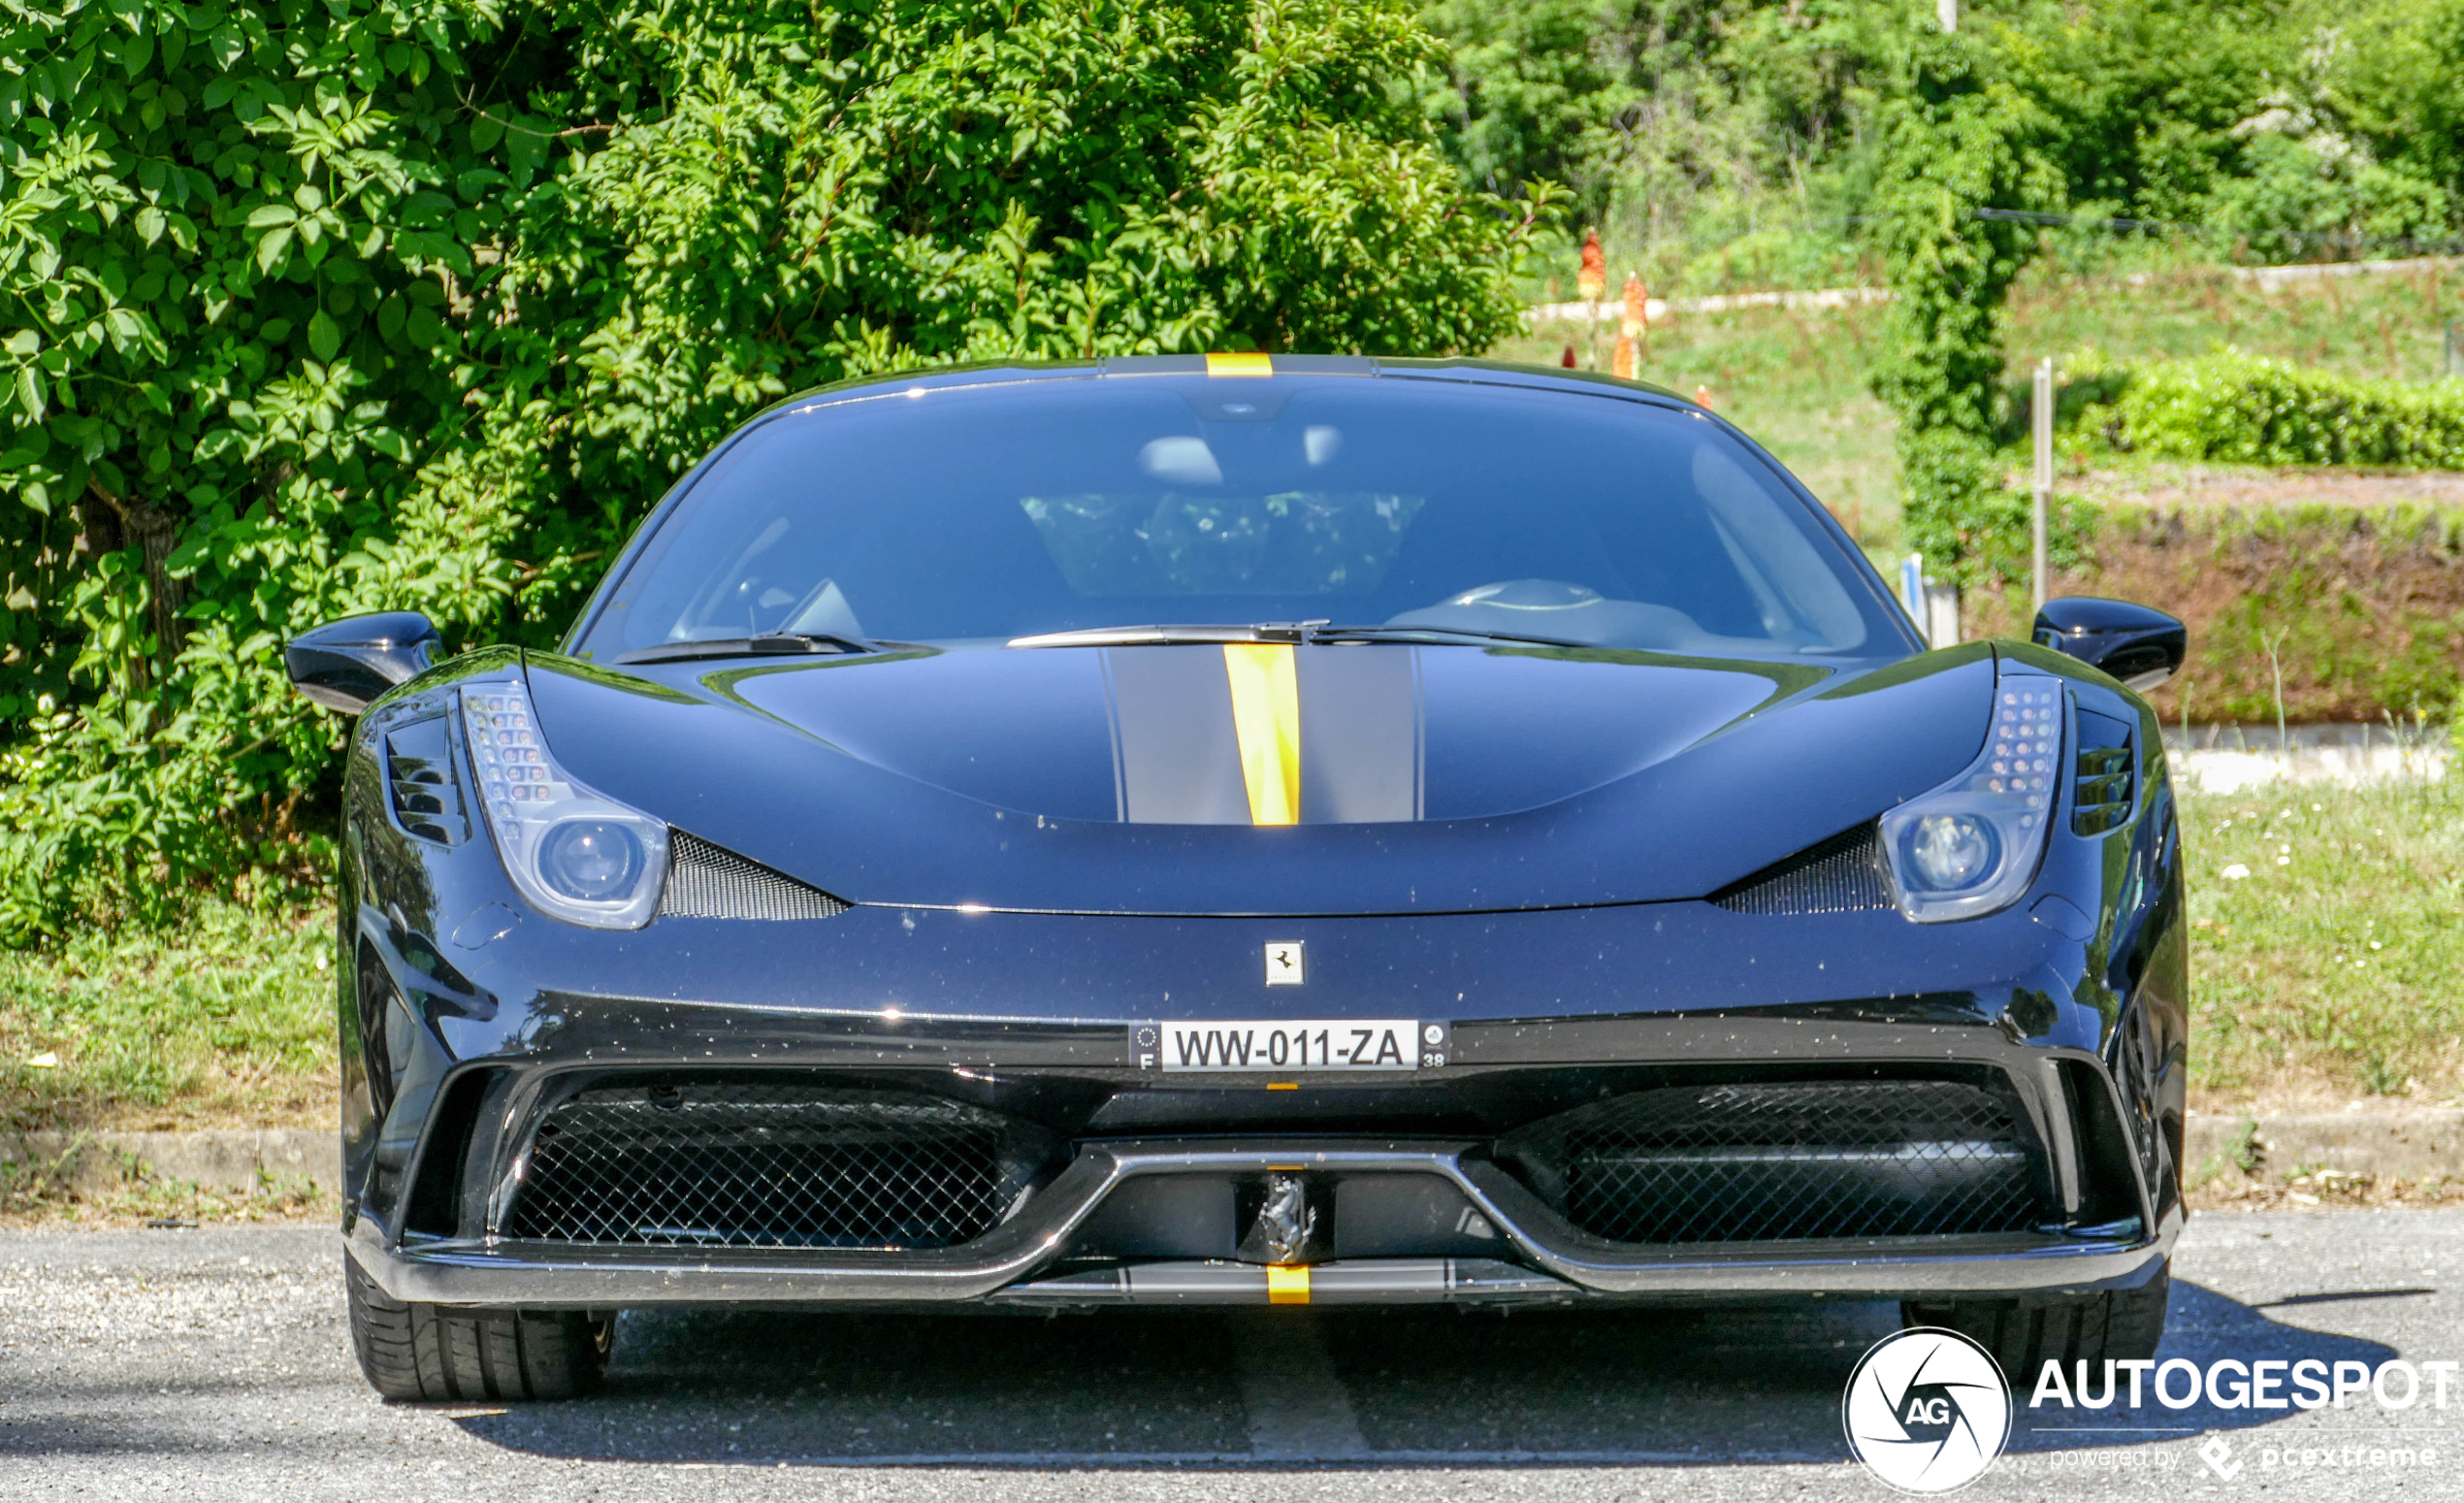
{"points": [[737, 1163], [1842, 874], [1759, 1163], [707, 881]]}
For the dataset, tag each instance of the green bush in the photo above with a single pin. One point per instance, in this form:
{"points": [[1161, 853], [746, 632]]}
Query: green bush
{"points": [[1965, 136], [2244, 410], [314, 307]]}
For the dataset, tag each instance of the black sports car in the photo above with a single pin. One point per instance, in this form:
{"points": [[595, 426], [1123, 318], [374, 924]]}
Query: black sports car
{"points": [[1221, 830]]}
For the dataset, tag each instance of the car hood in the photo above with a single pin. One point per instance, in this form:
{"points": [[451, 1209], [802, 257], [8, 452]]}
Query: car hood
{"points": [[1113, 779]]}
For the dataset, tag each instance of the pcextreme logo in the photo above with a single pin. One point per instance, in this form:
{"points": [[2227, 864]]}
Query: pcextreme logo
{"points": [[1927, 1410]]}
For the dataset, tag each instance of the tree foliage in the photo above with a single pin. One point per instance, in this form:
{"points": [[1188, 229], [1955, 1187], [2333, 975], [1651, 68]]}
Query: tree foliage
{"points": [[2224, 113], [2392, 79], [1962, 137], [1749, 134], [319, 307], [1682, 126]]}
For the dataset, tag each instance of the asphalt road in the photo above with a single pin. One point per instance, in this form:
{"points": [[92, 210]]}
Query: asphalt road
{"points": [[213, 1366]]}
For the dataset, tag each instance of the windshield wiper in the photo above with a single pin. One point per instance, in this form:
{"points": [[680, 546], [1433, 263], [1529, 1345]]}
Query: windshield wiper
{"points": [[1171, 635], [765, 645], [1419, 633], [1294, 631]]}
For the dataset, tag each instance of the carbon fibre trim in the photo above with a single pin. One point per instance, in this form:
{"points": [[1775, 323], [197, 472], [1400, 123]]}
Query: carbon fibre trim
{"points": [[707, 881], [1842, 874]]}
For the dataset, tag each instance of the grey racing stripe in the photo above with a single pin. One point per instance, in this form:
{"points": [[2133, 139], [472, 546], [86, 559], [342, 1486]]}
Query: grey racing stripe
{"points": [[1178, 756], [1360, 733]]}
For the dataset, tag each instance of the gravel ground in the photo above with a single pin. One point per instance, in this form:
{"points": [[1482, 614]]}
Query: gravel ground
{"points": [[212, 1365]]}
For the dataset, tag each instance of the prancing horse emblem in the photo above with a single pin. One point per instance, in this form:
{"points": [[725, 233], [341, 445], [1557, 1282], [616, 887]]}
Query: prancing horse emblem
{"points": [[1284, 965], [1286, 1222]]}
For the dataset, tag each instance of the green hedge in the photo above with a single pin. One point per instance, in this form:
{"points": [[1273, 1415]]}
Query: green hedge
{"points": [[315, 307], [2244, 410]]}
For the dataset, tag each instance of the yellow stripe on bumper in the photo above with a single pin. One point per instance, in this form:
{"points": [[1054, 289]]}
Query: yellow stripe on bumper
{"points": [[1242, 363], [1266, 719], [1287, 1284]]}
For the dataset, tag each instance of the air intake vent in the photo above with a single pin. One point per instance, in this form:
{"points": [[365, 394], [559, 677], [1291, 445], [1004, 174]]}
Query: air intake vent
{"points": [[2106, 787], [707, 881], [420, 781], [1842, 874], [1751, 1162], [680, 1161]]}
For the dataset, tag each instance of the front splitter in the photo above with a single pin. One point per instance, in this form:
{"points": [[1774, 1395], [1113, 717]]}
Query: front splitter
{"points": [[1008, 1265]]}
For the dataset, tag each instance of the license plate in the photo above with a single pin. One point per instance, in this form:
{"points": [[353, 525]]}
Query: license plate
{"points": [[1291, 1045]]}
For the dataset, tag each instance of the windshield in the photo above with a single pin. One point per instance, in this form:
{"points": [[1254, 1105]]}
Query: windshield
{"points": [[1000, 512]]}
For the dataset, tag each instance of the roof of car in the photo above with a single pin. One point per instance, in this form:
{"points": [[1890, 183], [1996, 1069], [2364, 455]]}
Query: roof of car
{"points": [[1226, 366]]}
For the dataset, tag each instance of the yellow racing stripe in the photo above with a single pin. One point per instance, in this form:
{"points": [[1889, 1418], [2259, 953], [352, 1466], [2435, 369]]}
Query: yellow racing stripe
{"points": [[1240, 363], [1266, 718], [1287, 1284]]}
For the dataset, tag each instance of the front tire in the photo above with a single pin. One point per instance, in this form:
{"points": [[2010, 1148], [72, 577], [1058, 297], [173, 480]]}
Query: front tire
{"points": [[438, 1353], [2114, 1325]]}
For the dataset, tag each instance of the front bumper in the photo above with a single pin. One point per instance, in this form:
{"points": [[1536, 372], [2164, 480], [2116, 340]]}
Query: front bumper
{"points": [[1540, 1258], [1543, 1012]]}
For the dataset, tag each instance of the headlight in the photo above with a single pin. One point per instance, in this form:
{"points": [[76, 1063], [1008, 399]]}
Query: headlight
{"points": [[1971, 846], [575, 854], [590, 859], [1949, 853]]}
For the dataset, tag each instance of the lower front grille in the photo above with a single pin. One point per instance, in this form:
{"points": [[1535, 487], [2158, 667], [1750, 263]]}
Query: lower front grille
{"points": [[1750, 1162], [732, 1162]]}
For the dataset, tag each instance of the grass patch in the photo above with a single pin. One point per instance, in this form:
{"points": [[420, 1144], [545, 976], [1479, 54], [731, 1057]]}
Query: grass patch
{"points": [[31, 1194], [1798, 379], [2389, 325], [2325, 1189], [228, 1021], [2334, 967]]}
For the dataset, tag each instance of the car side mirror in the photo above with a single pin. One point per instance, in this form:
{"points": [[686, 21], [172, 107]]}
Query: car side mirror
{"points": [[2141, 647], [345, 664]]}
